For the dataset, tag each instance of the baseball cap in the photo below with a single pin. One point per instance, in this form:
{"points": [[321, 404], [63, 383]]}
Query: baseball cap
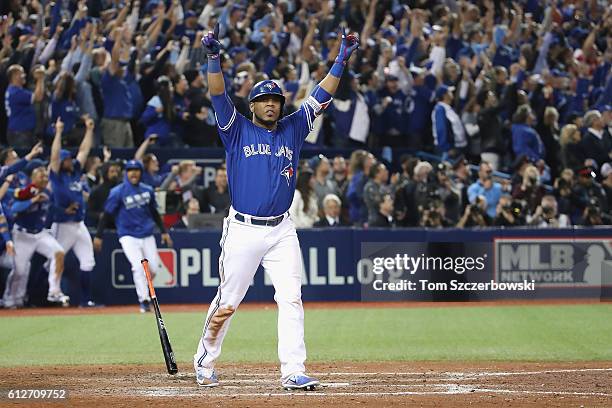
{"points": [[443, 90], [190, 13], [587, 171], [65, 154], [606, 169]]}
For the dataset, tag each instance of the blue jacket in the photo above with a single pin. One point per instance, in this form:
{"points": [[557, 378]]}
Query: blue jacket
{"points": [[133, 207], [525, 140]]}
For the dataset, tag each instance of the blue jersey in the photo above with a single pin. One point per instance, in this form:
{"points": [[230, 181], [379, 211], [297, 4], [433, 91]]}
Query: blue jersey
{"points": [[117, 97], [68, 189], [133, 208], [66, 109], [32, 216], [261, 163], [19, 109]]}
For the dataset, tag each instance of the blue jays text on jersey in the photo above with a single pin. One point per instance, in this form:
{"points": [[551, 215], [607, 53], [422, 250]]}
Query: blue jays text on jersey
{"points": [[132, 206], [68, 189], [261, 163]]}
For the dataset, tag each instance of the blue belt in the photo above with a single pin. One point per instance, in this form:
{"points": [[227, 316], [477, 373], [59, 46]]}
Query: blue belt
{"points": [[265, 222]]}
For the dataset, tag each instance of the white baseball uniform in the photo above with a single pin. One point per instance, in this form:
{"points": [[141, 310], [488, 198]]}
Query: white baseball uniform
{"points": [[26, 244], [244, 247]]}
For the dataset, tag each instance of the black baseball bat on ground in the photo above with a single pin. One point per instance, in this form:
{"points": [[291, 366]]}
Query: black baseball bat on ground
{"points": [[161, 327]]}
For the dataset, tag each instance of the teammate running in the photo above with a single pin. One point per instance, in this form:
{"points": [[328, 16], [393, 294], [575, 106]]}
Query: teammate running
{"points": [[132, 204], [69, 206], [31, 209], [262, 156]]}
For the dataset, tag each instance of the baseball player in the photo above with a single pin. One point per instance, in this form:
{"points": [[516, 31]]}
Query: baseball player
{"points": [[132, 204], [31, 209], [68, 226], [262, 156], [12, 164]]}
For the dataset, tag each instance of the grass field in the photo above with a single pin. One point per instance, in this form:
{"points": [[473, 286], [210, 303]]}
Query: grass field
{"points": [[475, 333]]}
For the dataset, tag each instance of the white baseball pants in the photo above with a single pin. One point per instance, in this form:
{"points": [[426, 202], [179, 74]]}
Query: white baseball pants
{"points": [[26, 245], [243, 248], [135, 250], [75, 236]]}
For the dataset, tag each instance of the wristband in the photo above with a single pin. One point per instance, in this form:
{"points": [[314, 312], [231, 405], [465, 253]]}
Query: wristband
{"points": [[214, 64], [337, 69]]}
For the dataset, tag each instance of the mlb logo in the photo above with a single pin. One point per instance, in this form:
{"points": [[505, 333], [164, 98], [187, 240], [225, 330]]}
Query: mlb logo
{"points": [[166, 276]]}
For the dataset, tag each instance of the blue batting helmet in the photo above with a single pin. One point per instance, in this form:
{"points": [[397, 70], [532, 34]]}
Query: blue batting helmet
{"points": [[266, 87], [134, 165]]}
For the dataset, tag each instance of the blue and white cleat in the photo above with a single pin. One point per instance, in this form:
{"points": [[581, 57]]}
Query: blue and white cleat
{"points": [[300, 382], [206, 377], [145, 306]]}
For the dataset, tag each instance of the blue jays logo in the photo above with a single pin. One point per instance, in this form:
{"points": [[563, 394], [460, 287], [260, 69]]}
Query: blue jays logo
{"points": [[270, 86], [287, 172]]}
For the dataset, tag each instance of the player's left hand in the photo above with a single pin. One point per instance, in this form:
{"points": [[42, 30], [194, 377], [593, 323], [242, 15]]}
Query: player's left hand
{"points": [[165, 239], [211, 44], [350, 42]]}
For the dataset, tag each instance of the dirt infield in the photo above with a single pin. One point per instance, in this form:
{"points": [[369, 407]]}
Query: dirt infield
{"points": [[424, 384]]}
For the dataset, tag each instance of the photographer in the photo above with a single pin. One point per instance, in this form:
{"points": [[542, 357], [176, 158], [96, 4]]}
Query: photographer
{"points": [[589, 198], [475, 215], [509, 213], [443, 190], [546, 215], [434, 216]]}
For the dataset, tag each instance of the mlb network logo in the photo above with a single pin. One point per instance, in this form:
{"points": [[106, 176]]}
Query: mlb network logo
{"points": [[122, 271], [554, 262]]}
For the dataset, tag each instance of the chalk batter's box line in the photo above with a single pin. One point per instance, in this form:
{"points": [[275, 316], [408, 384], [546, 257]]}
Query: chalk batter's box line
{"points": [[539, 241]]}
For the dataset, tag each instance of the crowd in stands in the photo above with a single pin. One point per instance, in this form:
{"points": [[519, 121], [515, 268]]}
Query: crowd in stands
{"points": [[522, 87]]}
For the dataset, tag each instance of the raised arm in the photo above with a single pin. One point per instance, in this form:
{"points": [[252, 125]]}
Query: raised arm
{"points": [[349, 43], [87, 142], [225, 112], [56, 146], [212, 46]]}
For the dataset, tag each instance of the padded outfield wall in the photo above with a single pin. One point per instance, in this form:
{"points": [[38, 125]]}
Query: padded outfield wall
{"points": [[339, 265]]}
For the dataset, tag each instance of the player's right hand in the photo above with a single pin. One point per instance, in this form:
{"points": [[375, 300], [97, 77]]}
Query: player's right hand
{"points": [[210, 42], [97, 244]]}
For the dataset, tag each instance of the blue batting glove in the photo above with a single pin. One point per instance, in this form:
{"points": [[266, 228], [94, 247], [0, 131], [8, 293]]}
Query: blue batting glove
{"points": [[211, 44], [349, 44]]}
